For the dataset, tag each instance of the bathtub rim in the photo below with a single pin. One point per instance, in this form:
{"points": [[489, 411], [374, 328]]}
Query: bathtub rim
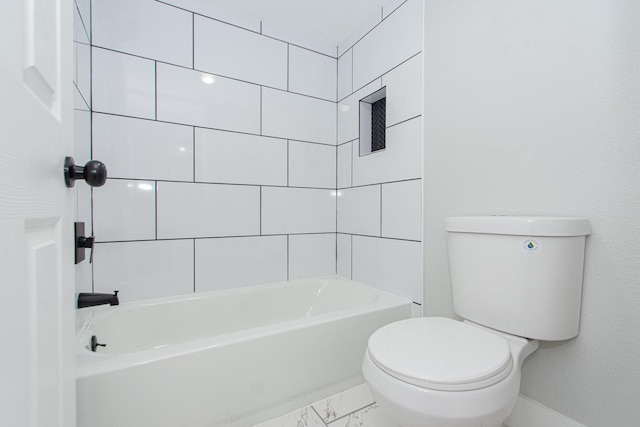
{"points": [[89, 363]]}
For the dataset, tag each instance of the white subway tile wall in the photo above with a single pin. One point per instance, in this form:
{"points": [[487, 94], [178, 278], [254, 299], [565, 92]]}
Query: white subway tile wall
{"points": [[360, 33], [136, 222], [220, 13], [234, 52], [293, 116], [403, 100], [82, 126], [207, 210], [312, 165], [397, 38], [80, 34], [359, 210], [343, 247], [140, 28], [279, 32], [123, 84], [238, 158], [312, 255], [402, 210], [240, 261], [83, 70], [82, 135], [390, 7], [380, 196], [399, 161], [84, 10], [311, 73], [344, 164], [195, 98], [345, 75], [298, 210], [142, 270], [246, 169], [349, 112], [143, 149], [391, 265], [78, 100]]}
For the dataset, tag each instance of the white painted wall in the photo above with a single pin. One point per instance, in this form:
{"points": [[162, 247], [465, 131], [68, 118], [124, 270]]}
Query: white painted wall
{"points": [[534, 108]]}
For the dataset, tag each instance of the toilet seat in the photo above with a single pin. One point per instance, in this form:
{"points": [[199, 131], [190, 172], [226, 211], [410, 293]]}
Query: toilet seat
{"points": [[440, 354]]}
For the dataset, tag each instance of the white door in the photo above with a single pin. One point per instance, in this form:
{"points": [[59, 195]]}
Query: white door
{"points": [[37, 386]]}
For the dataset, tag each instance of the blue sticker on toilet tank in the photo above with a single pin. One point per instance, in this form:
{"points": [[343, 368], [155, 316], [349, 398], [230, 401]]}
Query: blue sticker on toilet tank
{"points": [[531, 246]]}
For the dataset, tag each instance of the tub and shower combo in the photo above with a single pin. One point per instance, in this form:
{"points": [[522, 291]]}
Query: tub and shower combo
{"points": [[226, 358]]}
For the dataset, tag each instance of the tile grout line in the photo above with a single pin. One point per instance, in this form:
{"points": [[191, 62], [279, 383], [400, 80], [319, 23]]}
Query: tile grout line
{"points": [[194, 266], [81, 96], [237, 184], [319, 417], [261, 108], [155, 89], [351, 413], [105, 113], [84, 26], [211, 72], [193, 144], [351, 266], [370, 30], [193, 41], [380, 210], [379, 77], [93, 279], [260, 213], [352, 160], [170, 239], [155, 195], [337, 162], [260, 32]]}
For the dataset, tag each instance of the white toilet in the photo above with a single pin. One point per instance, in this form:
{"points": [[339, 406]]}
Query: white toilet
{"points": [[515, 280]]}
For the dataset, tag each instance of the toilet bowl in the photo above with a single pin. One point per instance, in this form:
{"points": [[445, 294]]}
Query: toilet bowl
{"points": [[515, 280], [440, 372]]}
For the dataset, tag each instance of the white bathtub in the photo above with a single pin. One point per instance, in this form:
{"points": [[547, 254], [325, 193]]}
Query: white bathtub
{"points": [[226, 358]]}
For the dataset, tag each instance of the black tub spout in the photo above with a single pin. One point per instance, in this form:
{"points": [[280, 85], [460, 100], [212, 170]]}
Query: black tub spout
{"points": [[91, 299]]}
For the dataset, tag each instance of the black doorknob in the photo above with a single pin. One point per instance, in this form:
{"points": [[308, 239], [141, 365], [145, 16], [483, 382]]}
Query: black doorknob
{"points": [[94, 172]]}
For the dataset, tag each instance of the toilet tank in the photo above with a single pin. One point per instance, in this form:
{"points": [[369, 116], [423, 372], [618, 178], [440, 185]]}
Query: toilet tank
{"points": [[520, 275]]}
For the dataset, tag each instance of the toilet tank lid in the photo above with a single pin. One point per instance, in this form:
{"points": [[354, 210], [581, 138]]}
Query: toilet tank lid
{"points": [[519, 225]]}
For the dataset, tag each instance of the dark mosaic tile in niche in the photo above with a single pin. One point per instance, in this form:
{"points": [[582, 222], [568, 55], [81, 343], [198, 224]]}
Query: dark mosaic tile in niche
{"points": [[378, 124]]}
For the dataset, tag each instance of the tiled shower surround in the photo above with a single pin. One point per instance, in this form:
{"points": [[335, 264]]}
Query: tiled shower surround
{"points": [[233, 152]]}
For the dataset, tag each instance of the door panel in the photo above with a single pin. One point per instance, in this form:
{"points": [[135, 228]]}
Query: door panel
{"points": [[36, 225], [42, 50]]}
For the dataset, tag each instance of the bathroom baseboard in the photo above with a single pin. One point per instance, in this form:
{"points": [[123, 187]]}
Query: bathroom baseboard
{"points": [[529, 413]]}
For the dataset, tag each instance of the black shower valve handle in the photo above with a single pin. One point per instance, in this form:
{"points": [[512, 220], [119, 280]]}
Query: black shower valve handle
{"points": [[87, 243]]}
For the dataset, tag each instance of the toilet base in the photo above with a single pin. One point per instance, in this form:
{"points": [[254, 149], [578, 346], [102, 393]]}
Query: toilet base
{"points": [[413, 406]]}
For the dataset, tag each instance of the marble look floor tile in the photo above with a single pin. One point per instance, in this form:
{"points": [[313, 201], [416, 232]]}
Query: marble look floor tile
{"points": [[351, 408], [371, 416], [349, 401], [305, 417]]}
